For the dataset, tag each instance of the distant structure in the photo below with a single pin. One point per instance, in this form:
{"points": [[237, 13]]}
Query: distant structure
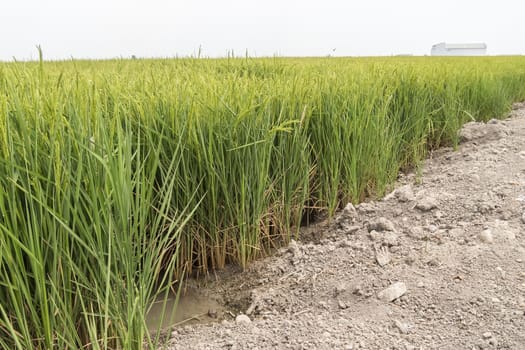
{"points": [[444, 49]]}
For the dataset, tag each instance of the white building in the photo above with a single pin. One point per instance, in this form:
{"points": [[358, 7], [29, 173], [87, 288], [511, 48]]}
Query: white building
{"points": [[444, 49]]}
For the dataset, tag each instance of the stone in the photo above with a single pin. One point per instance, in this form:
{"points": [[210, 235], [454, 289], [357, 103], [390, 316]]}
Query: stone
{"points": [[349, 210], [350, 229], [393, 292], [416, 232], [486, 236], [505, 216], [403, 327], [374, 236], [340, 288], [427, 204], [366, 207], [212, 313], [456, 232], [487, 335], [523, 218], [342, 305], [503, 231], [383, 256], [521, 302], [390, 239], [293, 247], [242, 319], [404, 194], [381, 224], [432, 228]]}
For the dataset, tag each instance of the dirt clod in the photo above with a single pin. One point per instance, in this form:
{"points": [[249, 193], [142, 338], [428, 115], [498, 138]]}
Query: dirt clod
{"points": [[381, 224]]}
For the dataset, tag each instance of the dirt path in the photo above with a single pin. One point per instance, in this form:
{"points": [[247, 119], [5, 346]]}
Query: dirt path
{"points": [[452, 242]]}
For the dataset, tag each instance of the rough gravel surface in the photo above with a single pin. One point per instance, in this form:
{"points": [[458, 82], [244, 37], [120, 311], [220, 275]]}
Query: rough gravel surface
{"points": [[439, 263]]}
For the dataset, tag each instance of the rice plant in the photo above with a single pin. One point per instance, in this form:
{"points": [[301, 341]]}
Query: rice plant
{"points": [[119, 177]]}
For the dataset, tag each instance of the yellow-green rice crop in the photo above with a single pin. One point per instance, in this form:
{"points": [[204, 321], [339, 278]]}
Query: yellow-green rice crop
{"points": [[118, 176]]}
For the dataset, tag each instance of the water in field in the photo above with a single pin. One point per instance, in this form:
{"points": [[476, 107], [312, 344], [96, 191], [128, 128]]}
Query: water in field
{"points": [[192, 308]]}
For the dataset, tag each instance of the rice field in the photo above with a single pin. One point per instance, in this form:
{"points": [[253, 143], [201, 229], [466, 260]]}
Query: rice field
{"points": [[120, 177]]}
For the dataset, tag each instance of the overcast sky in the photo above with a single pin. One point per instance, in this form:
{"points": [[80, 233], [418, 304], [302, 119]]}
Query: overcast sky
{"points": [[162, 28]]}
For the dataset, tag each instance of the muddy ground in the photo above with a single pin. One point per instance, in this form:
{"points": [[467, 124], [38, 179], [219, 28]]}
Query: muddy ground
{"points": [[437, 264]]}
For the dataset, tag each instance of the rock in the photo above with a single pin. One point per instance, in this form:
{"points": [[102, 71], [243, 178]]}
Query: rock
{"points": [[393, 292], [358, 290], [503, 231], [349, 229], [242, 319], [486, 236], [350, 211], [389, 196], [404, 194], [366, 207], [411, 259], [434, 262], [212, 313], [342, 305], [390, 239], [403, 327], [484, 208], [374, 236], [521, 302], [456, 232], [523, 218], [427, 204], [505, 216], [381, 224], [475, 177], [432, 228], [383, 256], [293, 247], [487, 335], [502, 272], [339, 289], [354, 245], [416, 232]]}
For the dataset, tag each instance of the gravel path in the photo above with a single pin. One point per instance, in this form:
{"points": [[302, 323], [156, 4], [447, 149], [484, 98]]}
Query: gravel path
{"points": [[437, 264]]}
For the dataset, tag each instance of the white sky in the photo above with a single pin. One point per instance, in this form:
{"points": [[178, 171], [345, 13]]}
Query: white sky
{"points": [[162, 28]]}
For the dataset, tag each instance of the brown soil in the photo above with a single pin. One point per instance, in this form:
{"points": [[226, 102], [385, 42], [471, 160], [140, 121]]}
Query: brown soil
{"points": [[454, 236]]}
